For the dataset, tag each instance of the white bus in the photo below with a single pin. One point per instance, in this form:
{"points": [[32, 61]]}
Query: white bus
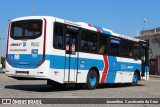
{"points": [[63, 52]]}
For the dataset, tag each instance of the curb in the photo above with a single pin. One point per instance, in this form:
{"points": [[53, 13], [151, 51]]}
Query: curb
{"points": [[154, 76]]}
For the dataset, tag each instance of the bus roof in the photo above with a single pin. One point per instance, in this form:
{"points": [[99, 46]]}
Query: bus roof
{"points": [[81, 25]]}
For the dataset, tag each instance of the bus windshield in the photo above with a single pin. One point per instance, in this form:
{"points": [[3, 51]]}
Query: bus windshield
{"points": [[26, 29]]}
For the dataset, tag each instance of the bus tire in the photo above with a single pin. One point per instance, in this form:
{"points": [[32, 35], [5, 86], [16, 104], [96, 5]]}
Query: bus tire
{"points": [[92, 80], [135, 79]]}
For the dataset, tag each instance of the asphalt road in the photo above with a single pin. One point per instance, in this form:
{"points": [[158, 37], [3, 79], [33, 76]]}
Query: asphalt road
{"points": [[11, 88]]}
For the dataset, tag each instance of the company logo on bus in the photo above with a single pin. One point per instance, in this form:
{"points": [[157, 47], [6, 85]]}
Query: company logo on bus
{"points": [[19, 44], [15, 44], [24, 44]]}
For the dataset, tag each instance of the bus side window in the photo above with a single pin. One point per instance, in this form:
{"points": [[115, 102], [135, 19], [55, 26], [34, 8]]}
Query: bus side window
{"points": [[84, 41], [136, 51], [89, 42], [115, 47], [93, 38], [102, 44], [127, 48], [58, 36]]}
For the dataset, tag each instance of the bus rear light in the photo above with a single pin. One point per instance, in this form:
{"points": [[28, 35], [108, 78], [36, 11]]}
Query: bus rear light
{"points": [[40, 72]]}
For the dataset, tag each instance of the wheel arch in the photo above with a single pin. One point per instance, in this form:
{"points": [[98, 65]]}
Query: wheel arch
{"points": [[97, 71]]}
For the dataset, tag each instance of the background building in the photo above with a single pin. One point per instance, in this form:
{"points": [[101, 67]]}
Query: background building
{"points": [[153, 35]]}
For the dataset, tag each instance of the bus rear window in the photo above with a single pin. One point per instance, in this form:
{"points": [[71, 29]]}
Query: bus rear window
{"points": [[26, 29]]}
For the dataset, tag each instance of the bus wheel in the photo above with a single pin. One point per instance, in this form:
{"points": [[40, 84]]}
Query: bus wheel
{"points": [[92, 80], [135, 79]]}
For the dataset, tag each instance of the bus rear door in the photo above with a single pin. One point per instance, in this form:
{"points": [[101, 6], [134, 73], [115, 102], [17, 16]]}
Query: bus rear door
{"points": [[71, 54]]}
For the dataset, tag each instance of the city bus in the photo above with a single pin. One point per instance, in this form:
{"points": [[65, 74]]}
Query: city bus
{"points": [[65, 52]]}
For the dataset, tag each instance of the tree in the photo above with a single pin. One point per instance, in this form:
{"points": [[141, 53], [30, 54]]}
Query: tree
{"points": [[3, 61]]}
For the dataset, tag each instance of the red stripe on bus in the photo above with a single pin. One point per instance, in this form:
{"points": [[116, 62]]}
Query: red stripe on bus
{"points": [[98, 30], [90, 25], [105, 70], [9, 27], [44, 46], [44, 43]]}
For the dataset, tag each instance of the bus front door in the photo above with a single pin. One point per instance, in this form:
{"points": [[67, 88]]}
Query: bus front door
{"points": [[71, 39], [145, 65]]}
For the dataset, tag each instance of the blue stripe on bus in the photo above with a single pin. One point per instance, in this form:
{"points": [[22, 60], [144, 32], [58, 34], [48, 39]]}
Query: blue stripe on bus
{"points": [[111, 77], [114, 65], [103, 31], [61, 62], [26, 61]]}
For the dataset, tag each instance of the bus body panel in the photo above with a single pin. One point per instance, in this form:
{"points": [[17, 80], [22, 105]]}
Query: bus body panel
{"points": [[24, 55], [39, 72], [121, 70]]}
